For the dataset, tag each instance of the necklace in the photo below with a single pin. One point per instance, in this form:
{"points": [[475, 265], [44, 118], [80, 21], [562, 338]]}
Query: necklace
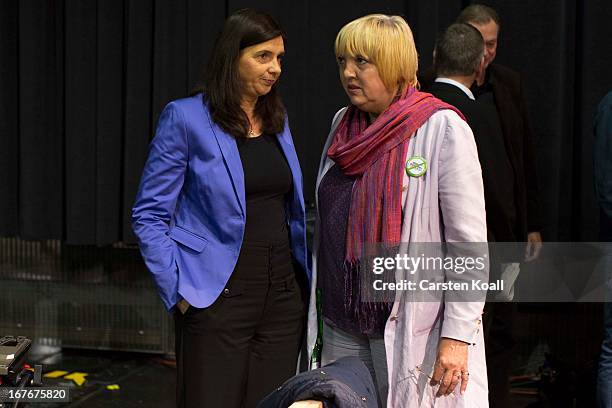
{"points": [[252, 132]]}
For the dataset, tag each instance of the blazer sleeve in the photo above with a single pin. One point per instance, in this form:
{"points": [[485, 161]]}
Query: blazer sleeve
{"points": [[462, 206], [160, 185], [532, 189]]}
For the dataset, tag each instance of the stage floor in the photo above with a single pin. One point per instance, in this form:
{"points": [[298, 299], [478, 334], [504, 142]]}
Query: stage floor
{"points": [[121, 379], [112, 379]]}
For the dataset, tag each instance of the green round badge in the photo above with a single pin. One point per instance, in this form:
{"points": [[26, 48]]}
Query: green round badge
{"points": [[416, 166]]}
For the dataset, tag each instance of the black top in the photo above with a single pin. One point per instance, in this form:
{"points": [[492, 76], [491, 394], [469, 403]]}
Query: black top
{"points": [[267, 179], [497, 172]]}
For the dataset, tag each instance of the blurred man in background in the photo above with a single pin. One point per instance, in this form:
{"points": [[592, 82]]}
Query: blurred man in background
{"points": [[603, 188]]}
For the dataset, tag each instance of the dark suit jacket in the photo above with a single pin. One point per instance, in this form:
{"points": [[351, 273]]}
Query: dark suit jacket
{"points": [[519, 143], [602, 165], [480, 125]]}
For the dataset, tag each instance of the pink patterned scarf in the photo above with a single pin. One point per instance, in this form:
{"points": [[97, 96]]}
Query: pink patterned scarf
{"points": [[375, 155]]}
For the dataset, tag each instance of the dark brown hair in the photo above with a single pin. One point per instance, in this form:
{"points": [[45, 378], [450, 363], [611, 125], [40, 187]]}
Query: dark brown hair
{"points": [[221, 84]]}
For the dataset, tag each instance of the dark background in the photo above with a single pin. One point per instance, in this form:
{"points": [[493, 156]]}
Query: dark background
{"points": [[82, 83]]}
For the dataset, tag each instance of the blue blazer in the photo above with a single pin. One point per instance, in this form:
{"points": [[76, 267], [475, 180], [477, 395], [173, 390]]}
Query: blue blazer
{"points": [[190, 210]]}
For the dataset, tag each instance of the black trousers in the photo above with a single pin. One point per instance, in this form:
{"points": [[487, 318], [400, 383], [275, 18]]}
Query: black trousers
{"points": [[234, 352], [500, 343]]}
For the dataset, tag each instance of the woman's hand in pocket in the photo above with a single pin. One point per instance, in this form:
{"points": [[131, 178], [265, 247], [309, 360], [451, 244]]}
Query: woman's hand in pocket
{"points": [[183, 305]]}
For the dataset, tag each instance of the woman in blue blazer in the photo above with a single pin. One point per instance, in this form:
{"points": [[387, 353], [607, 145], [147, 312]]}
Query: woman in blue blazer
{"points": [[220, 221]]}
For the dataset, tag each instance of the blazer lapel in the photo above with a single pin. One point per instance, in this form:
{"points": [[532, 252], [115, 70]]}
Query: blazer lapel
{"points": [[229, 150]]}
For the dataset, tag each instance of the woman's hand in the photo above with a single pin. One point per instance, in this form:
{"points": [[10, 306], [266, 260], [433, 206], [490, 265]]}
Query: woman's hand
{"points": [[451, 366]]}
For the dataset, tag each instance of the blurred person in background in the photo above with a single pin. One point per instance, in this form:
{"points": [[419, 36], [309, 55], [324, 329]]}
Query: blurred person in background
{"points": [[603, 188]]}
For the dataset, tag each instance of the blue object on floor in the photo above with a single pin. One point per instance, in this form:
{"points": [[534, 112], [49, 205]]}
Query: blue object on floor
{"points": [[345, 383]]}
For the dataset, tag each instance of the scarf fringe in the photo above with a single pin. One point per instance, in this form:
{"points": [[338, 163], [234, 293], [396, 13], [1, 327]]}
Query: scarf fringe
{"points": [[367, 313]]}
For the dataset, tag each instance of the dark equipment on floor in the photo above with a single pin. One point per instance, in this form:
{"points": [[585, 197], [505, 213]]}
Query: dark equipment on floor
{"points": [[13, 370]]}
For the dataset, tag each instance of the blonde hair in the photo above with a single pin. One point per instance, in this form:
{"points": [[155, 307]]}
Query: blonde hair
{"points": [[387, 42]]}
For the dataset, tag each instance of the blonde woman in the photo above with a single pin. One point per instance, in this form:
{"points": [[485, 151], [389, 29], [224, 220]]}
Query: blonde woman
{"points": [[419, 354]]}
